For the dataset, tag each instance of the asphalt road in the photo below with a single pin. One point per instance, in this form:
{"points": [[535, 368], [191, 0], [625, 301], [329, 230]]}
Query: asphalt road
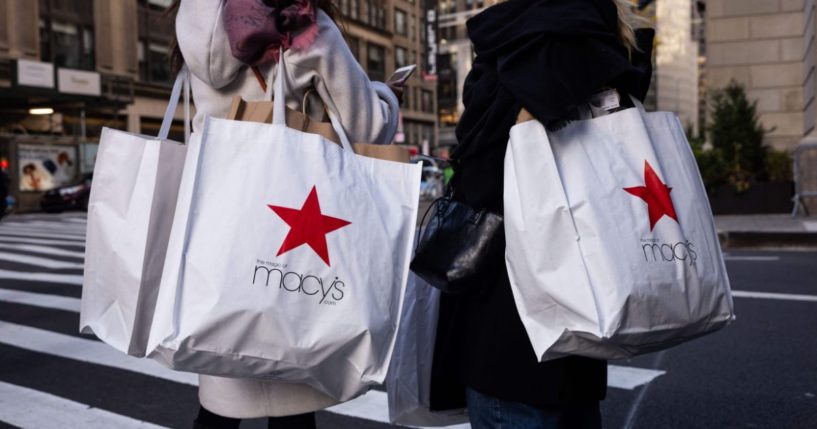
{"points": [[761, 372]]}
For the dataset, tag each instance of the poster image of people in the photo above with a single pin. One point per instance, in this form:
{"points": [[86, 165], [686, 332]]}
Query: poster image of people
{"points": [[46, 167]]}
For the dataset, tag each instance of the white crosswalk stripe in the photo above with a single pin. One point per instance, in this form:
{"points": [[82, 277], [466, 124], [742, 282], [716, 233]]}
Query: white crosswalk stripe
{"points": [[15, 239], [47, 223], [45, 226], [38, 261], [41, 233], [32, 409], [42, 300], [83, 350], [43, 250], [73, 279], [63, 235], [12, 234]]}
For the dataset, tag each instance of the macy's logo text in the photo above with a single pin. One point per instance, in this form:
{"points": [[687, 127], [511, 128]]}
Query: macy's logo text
{"points": [[303, 284]]}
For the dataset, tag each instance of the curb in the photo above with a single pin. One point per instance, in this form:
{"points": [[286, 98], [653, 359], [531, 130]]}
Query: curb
{"points": [[750, 239]]}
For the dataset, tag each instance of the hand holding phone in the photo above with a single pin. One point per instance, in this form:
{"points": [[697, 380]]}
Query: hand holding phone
{"points": [[401, 75]]}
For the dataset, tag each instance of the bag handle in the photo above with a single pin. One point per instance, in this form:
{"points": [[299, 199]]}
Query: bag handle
{"points": [[264, 87], [638, 104], [182, 82], [279, 103]]}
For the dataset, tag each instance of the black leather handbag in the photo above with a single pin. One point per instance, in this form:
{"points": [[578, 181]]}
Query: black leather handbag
{"points": [[456, 245]]}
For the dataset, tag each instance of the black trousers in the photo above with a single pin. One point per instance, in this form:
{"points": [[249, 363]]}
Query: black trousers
{"points": [[208, 420]]}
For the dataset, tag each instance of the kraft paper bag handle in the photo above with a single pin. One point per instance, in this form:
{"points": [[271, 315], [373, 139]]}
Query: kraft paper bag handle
{"points": [[279, 104], [524, 116], [294, 118], [383, 152], [182, 82], [265, 87]]}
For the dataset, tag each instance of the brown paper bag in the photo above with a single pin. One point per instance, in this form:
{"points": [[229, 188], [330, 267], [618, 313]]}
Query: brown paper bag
{"points": [[388, 152], [261, 111], [524, 116]]}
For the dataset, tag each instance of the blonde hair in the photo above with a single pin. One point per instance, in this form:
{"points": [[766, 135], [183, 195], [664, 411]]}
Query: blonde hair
{"points": [[627, 19]]}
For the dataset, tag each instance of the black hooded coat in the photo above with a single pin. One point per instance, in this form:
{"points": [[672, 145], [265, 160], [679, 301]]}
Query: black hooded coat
{"points": [[548, 56]]}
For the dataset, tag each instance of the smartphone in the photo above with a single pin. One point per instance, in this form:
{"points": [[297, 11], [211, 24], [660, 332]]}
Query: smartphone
{"points": [[402, 75]]}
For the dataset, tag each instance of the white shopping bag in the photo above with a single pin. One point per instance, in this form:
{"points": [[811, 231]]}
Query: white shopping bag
{"points": [[288, 258], [408, 383], [611, 246], [130, 211]]}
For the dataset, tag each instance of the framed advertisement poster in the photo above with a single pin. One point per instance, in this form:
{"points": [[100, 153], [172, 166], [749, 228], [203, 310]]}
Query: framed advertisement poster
{"points": [[44, 167]]}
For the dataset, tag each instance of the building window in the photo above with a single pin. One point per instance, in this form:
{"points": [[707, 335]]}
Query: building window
{"points": [[400, 24], [376, 14], [155, 36], [376, 62], [354, 46], [428, 101], [45, 41], [350, 8], [400, 57], [153, 62], [73, 46], [67, 33]]}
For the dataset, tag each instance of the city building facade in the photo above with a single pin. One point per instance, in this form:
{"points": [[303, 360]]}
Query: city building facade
{"points": [[385, 35], [454, 61], [678, 63], [68, 68], [768, 47]]}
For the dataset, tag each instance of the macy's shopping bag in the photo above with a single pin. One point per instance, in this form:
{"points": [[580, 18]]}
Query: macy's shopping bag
{"points": [[611, 244], [289, 261], [133, 198]]}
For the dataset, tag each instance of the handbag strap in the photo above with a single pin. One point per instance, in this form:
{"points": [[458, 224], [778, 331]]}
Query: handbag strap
{"points": [[449, 196], [423, 223]]}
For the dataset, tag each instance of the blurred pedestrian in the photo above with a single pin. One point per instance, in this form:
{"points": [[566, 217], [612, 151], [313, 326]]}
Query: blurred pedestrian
{"points": [[548, 57], [4, 192], [219, 40]]}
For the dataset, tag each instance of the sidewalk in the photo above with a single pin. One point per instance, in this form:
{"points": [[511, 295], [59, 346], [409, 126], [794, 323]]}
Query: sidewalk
{"points": [[775, 230]]}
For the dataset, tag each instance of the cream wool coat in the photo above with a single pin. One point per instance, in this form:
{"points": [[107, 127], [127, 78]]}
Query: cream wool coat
{"points": [[367, 111]]}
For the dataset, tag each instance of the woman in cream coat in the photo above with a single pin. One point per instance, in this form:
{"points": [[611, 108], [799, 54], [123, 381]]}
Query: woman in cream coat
{"points": [[367, 111]]}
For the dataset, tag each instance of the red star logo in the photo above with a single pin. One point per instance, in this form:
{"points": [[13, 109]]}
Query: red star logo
{"points": [[308, 226], [656, 195]]}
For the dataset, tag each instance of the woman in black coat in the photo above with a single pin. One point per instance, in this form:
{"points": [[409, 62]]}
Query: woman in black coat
{"points": [[549, 57]]}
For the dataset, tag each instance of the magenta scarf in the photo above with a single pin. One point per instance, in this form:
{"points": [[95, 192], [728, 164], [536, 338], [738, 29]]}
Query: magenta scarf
{"points": [[258, 29]]}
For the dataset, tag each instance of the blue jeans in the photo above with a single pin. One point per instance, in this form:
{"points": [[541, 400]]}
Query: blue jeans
{"points": [[487, 412]]}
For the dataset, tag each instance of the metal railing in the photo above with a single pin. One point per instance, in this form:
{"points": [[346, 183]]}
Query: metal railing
{"points": [[805, 176]]}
